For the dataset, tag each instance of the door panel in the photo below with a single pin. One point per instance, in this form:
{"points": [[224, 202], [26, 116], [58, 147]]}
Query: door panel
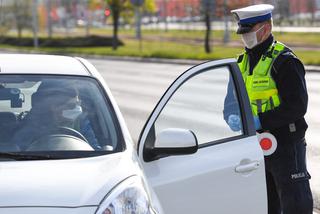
{"points": [[206, 182], [226, 174]]}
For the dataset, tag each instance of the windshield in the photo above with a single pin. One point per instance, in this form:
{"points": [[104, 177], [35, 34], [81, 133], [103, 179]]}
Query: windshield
{"points": [[68, 116]]}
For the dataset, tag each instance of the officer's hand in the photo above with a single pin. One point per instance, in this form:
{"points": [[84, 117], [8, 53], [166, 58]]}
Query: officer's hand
{"points": [[234, 122], [257, 123]]}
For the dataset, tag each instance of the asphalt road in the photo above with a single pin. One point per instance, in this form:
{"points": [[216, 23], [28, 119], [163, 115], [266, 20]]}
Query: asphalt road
{"points": [[137, 87]]}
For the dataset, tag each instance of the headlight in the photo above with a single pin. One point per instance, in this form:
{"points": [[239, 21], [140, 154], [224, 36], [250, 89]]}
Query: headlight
{"points": [[127, 198]]}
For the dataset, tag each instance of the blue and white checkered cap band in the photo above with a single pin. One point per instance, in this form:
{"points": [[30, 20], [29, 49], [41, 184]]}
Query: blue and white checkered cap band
{"points": [[255, 19]]}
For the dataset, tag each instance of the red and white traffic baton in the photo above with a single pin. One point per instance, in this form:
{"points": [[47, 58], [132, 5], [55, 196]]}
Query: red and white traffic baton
{"points": [[268, 143]]}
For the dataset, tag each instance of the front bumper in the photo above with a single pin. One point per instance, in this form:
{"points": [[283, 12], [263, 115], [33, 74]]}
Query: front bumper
{"points": [[48, 210]]}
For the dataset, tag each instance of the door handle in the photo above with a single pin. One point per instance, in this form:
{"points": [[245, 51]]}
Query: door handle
{"points": [[248, 167]]}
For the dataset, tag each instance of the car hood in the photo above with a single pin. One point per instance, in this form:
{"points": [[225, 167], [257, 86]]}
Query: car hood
{"points": [[65, 183]]}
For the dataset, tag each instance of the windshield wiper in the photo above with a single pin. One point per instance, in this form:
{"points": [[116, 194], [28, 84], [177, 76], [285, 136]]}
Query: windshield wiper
{"points": [[24, 156]]}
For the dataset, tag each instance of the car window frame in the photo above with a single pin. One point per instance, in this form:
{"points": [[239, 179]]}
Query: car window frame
{"points": [[242, 96]]}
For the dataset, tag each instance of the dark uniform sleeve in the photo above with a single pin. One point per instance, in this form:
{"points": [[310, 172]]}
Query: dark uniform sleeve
{"points": [[289, 75]]}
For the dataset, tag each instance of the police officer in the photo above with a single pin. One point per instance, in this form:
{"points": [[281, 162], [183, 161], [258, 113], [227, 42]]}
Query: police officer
{"points": [[275, 82]]}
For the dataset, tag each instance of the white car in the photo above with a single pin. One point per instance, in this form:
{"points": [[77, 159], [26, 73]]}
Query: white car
{"points": [[64, 146]]}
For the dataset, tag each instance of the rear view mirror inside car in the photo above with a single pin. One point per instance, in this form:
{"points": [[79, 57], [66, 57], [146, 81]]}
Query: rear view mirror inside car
{"points": [[12, 95]]}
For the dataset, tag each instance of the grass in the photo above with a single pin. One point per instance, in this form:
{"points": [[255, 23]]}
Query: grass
{"points": [[309, 57], [285, 37], [168, 50], [184, 44]]}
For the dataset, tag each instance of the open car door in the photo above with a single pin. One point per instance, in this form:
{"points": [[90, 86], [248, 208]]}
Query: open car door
{"points": [[193, 160]]}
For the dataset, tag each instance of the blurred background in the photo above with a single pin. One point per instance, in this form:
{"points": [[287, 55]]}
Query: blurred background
{"points": [[170, 29], [188, 29]]}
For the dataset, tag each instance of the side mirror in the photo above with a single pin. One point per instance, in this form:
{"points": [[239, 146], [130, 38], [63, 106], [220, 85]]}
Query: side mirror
{"points": [[173, 141]]}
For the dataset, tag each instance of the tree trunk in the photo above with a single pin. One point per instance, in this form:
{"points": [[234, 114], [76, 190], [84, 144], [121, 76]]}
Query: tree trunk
{"points": [[312, 8], [87, 16], [115, 17], [226, 37], [49, 21], [207, 45], [165, 15], [35, 23]]}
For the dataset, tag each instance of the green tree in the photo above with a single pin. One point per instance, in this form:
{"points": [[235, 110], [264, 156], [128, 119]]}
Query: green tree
{"points": [[124, 6], [6, 20], [93, 4], [117, 6], [22, 15], [149, 6]]}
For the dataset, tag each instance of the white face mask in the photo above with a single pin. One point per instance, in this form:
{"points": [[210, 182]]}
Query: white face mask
{"points": [[250, 39], [72, 114]]}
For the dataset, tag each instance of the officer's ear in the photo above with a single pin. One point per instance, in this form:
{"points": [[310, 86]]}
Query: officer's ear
{"points": [[266, 30], [268, 26]]}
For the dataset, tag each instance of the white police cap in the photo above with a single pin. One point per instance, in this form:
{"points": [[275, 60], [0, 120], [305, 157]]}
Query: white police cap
{"points": [[247, 17]]}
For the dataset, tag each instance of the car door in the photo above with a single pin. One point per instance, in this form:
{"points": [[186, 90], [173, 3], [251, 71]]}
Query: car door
{"points": [[224, 174]]}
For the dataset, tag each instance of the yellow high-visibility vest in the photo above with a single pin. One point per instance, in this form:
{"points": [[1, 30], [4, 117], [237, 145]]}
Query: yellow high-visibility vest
{"points": [[261, 87]]}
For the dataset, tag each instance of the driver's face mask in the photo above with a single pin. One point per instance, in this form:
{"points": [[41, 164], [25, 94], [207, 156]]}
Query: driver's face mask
{"points": [[72, 114]]}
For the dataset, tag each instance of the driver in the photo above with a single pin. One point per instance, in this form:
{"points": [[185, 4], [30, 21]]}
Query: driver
{"points": [[55, 104]]}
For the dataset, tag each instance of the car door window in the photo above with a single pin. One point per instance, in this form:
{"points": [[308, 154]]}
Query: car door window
{"points": [[203, 105]]}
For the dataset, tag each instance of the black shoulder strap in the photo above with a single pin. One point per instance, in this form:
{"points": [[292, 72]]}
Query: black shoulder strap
{"points": [[240, 58]]}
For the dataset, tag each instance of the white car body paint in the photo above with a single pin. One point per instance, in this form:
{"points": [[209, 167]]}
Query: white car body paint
{"points": [[66, 183], [72, 186]]}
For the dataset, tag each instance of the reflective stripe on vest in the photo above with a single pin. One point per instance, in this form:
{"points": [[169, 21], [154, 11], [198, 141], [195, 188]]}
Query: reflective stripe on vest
{"points": [[261, 88]]}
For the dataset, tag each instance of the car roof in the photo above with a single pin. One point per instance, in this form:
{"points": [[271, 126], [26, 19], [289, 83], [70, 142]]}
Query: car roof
{"points": [[41, 64]]}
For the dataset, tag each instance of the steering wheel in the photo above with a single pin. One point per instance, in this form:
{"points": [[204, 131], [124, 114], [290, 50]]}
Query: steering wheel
{"points": [[70, 131], [61, 138]]}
